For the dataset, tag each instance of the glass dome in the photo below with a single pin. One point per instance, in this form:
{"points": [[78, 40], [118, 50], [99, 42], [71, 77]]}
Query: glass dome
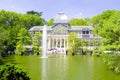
{"points": [[61, 18]]}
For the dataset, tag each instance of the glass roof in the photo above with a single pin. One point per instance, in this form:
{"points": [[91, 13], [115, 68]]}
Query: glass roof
{"points": [[61, 18]]}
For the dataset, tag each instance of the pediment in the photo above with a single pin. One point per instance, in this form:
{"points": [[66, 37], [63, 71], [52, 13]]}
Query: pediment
{"points": [[59, 29]]}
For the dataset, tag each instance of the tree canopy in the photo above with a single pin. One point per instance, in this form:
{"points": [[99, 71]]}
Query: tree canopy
{"points": [[74, 22], [78, 22], [107, 25], [34, 13], [50, 22], [11, 24]]}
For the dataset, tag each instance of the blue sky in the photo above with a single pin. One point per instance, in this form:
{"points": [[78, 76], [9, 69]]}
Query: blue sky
{"points": [[50, 8]]}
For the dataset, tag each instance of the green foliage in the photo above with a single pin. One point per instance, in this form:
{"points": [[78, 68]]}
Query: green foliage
{"points": [[10, 25], [1, 62], [12, 72], [3, 41], [23, 38], [71, 41], [78, 22], [32, 12], [20, 49], [107, 25], [37, 42], [113, 61], [110, 47], [50, 22], [75, 44], [12, 19], [96, 52]]}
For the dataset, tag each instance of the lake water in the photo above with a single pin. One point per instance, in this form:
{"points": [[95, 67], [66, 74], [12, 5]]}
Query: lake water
{"points": [[60, 67]]}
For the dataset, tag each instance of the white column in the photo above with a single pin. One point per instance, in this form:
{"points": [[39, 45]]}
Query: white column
{"points": [[49, 43], [53, 43], [67, 43], [56, 43]]}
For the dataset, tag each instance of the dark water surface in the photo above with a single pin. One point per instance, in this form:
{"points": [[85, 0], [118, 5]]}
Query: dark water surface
{"points": [[60, 67]]}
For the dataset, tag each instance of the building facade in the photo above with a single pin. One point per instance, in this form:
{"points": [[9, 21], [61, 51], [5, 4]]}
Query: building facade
{"points": [[57, 35]]}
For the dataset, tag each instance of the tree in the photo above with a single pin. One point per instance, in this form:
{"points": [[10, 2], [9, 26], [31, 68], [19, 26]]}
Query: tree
{"points": [[76, 44], [88, 21], [37, 42], [12, 72], [50, 22], [12, 22], [34, 13], [71, 41], [107, 26], [78, 22], [3, 41], [23, 39]]}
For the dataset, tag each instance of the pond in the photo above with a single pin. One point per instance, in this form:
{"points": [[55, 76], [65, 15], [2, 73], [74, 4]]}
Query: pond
{"points": [[61, 67]]}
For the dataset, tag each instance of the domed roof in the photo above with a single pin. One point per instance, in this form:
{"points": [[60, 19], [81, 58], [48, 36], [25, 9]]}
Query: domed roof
{"points": [[61, 18]]}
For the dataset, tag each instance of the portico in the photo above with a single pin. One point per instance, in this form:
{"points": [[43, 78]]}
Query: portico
{"points": [[57, 41]]}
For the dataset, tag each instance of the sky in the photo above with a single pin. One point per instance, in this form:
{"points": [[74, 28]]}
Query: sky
{"points": [[50, 8]]}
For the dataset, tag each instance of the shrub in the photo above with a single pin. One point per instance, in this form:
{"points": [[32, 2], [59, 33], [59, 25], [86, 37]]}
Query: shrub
{"points": [[1, 62], [113, 61], [96, 52], [12, 72]]}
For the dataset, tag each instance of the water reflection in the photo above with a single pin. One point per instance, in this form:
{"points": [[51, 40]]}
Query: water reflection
{"points": [[55, 67], [60, 67], [44, 71]]}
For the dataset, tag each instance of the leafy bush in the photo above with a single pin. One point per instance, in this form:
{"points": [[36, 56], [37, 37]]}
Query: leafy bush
{"points": [[20, 49], [1, 62], [113, 61], [96, 52], [12, 72]]}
